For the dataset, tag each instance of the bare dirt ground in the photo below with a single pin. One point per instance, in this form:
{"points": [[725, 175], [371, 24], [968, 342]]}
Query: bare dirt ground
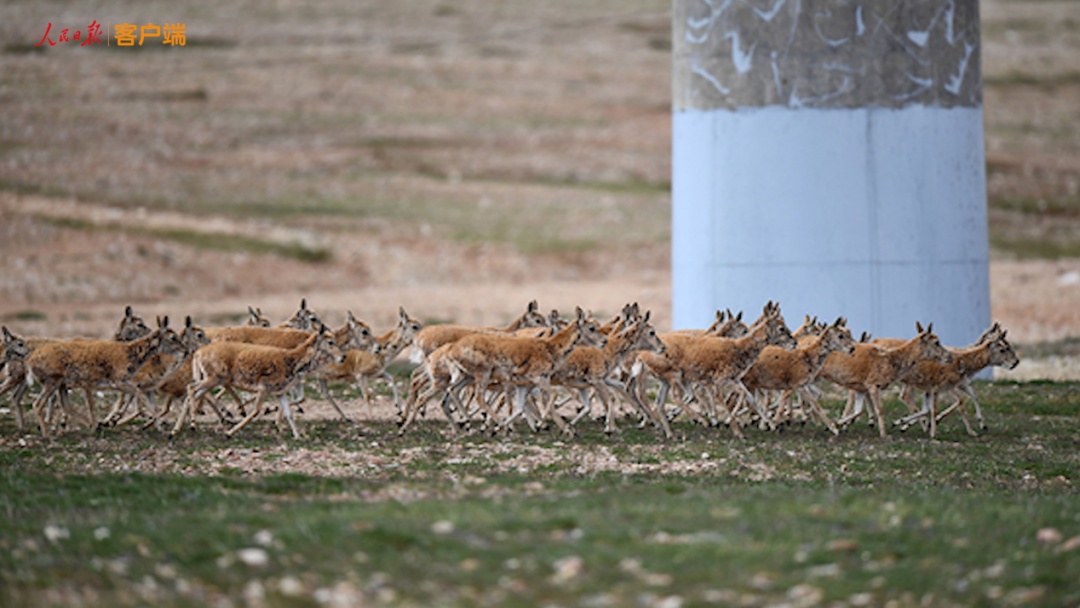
{"points": [[453, 159]]}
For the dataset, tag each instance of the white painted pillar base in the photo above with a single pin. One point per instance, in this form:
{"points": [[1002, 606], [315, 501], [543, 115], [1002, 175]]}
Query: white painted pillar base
{"points": [[877, 214]]}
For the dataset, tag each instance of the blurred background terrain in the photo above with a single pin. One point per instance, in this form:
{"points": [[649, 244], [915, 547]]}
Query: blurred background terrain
{"points": [[458, 158]]}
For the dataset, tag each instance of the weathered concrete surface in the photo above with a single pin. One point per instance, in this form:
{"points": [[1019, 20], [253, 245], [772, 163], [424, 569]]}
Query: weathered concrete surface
{"points": [[876, 214], [826, 53], [829, 154]]}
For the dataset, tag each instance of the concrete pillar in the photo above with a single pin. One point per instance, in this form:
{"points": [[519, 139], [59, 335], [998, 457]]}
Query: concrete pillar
{"points": [[829, 155]]}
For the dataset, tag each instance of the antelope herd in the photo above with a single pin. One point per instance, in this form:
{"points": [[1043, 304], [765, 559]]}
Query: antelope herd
{"points": [[539, 368]]}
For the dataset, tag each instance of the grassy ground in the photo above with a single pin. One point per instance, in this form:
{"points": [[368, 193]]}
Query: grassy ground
{"points": [[357, 515], [545, 128]]}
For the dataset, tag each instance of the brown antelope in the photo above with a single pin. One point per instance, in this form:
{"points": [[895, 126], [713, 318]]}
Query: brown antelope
{"points": [[14, 347], [370, 361], [810, 327], [718, 362], [13, 355], [433, 336], [353, 334], [255, 318], [793, 371], [434, 374], [667, 369], [872, 368], [131, 327], [303, 319], [281, 337], [92, 364], [428, 380], [522, 363], [723, 319], [589, 367], [265, 370], [933, 379], [158, 370]]}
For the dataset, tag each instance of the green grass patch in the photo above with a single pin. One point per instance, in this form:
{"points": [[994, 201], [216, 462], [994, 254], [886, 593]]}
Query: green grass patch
{"points": [[27, 315], [1066, 347], [1041, 206], [1035, 247], [207, 240], [799, 517], [1028, 79], [23, 48]]}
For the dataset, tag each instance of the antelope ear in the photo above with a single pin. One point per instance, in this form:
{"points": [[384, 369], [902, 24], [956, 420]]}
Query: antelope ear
{"points": [[7, 334], [187, 321], [645, 319], [128, 312], [739, 317], [303, 303], [918, 327], [930, 328], [165, 322], [580, 313], [533, 306]]}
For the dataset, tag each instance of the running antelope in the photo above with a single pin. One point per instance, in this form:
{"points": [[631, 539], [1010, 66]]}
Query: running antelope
{"points": [[94, 364], [872, 368], [265, 370], [589, 367], [793, 371], [667, 369], [131, 327], [716, 363], [353, 334], [433, 336], [158, 371], [362, 364], [521, 363], [934, 379]]}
